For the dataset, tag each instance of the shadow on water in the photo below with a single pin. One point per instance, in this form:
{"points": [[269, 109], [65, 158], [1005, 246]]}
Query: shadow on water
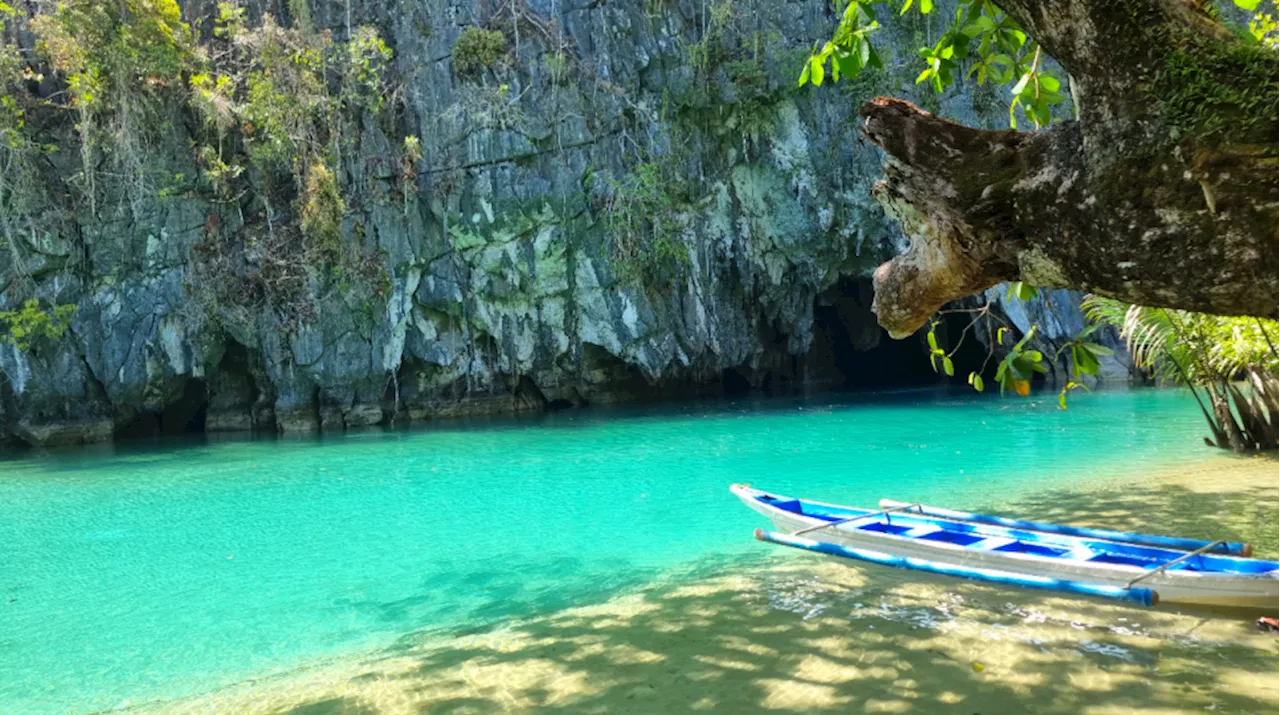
{"points": [[332, 706], [1235, 513], [499, 594], [790, 632]]}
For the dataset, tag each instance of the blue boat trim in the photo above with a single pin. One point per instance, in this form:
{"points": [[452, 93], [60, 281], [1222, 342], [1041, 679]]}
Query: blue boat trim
{"points": [[1037, 544], [1144, 596], [1232, 548]]}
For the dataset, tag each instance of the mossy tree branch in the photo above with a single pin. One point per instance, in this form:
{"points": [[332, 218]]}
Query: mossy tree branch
{"points": [[1161, 193]]}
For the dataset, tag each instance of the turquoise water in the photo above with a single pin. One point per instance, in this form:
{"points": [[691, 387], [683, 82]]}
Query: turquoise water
{"points": [[135, 573]]}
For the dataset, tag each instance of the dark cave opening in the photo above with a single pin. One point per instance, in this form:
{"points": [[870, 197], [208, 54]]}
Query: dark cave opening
{"points": [[235, 400], [734, 383], [185, 415], [851, 350], [526, 394], [890, 364]]}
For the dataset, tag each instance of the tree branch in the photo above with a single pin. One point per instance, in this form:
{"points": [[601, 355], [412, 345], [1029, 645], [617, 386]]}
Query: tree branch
{"points": [[1163, 192]]}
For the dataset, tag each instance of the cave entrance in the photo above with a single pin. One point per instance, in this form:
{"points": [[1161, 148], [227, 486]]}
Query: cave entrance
{"points": [[185, 415], [851, 350], [734, 383]]}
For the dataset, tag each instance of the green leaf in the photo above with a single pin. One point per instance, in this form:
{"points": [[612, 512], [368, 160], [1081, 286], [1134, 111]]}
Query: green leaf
{"points": [[1087, 363], [933, 340], [874, 59], [1049, 82], [926, 7], [804, 75], [1043, 116], [1021, 85], [948, 367], [1033, 355], [1099, 350], [977, 383], [816, 72], [1249, 5], [933, 361], [1018, 370], [981, 24], [906, 6], [924, 75], [1022, 290]]}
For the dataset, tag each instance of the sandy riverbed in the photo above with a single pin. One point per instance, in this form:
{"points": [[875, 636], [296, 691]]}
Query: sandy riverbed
{"points": [[791, 632]]}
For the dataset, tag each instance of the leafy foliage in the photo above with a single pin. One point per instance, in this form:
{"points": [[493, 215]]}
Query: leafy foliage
{"points": [[1263, 27], [1204, 93], [31, 322], [12, 70], [981, 37], [1021, 360], [410, 155], [20, 150], [322, 209], [110, 50], [1180, 346], [122, 61], [280, 107], [1231, 361], [478, 49], [276, 85], [644, 227], [1015, 370], [489, 107], [731, 96]]}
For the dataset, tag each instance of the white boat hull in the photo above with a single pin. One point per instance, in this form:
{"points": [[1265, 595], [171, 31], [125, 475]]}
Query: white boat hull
{"points": [[1173, 586]]}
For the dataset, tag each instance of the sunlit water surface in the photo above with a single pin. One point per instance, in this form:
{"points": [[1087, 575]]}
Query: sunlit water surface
{"points": [[140, 573]]}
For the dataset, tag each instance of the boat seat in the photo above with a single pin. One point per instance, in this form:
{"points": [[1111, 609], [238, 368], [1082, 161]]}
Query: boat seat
{"points": [[992, 542], [919, 531], [840, 525]]}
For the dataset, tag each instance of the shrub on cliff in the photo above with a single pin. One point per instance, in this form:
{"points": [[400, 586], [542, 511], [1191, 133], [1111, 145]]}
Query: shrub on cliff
{"points": [[477, 49]]}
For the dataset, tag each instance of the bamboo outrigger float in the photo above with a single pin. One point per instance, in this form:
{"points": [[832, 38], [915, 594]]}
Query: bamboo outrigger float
{"points": [[1138, 568]]}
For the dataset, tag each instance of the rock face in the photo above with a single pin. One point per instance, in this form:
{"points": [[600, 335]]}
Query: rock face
{"points": [[499, 280], [1058, 318]]}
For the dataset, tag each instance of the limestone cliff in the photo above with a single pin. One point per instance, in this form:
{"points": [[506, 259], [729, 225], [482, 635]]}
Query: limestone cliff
{"points": [[490, 276]]}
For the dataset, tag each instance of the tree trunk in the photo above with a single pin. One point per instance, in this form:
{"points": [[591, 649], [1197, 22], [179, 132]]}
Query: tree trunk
{"points": [[1162, 192], [1222, 410]]}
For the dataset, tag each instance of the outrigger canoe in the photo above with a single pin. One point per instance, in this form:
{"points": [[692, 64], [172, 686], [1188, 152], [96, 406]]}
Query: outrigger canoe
{"points": [[1141, 568]]}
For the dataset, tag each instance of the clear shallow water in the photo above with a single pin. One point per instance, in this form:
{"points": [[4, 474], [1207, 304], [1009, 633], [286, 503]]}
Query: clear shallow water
{"points": [[131, 574]]}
